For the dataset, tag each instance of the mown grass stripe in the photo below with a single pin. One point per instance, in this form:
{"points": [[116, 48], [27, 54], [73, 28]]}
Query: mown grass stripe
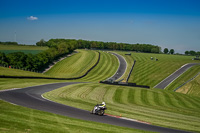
{"points": [[144, 97]]}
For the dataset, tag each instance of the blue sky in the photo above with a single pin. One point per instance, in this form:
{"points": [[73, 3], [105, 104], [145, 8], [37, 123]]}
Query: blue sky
{"points": [[166, 23]]}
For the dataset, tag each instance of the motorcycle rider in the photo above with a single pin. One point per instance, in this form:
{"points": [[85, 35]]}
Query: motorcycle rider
{"points": [[102, 105]]}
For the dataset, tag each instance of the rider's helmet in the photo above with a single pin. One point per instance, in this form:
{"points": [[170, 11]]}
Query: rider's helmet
{"points": [[103, 103]]}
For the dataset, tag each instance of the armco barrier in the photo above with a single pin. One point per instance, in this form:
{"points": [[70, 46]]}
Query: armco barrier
{"points": [[131, 71], [27, 77], [125, 84]]}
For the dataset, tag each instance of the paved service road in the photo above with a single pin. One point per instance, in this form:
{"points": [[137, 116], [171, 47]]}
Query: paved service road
{"points": [[31, 97], [121, 69], [175, 75]]}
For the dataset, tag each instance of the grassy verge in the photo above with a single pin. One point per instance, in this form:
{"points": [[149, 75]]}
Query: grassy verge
{"points": [[159, 107], [24, 120], [184, 77], [9, 83], [129, 61], [107, 67], [150, 72], [192, 87], [75, 65], [17, 72]]}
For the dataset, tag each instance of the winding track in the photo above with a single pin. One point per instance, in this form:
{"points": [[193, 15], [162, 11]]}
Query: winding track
{"points": [[121, 69], [31, 97], [163, 84]]}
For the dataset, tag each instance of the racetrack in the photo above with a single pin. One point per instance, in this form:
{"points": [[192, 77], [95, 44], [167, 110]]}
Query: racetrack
{"points": [[122, 67], [163, 84], [31, 97]]}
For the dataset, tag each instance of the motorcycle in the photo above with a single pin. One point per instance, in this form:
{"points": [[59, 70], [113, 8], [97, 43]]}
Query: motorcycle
{"points": [[98, 110]]}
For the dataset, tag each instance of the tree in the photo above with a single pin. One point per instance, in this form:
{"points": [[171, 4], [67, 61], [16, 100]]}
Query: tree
{"points": [[192, 52], [171, 51], [186, 52], [41, 43], [166, 51], [155, 50]]}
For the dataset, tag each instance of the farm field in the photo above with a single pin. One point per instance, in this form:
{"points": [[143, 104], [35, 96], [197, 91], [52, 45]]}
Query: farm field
{"points": [[150, 72], [21, 47], [159, 107]]}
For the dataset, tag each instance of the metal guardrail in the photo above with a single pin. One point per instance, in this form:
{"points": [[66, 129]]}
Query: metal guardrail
{"points": [[186, 82], [131, 71]]}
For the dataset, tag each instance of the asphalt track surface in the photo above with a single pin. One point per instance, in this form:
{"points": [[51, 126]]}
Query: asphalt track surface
{"points": [[31, 97], [121, 69], [163, 84]]}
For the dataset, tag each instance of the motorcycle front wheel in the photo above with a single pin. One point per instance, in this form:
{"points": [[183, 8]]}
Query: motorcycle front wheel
{"points": [[101, 112]]}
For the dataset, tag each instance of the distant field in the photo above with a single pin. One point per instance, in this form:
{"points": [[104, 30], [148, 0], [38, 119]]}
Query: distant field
{"points": [[75, 65], [20, 47], [159, 107], [150, 72], [184, 78], [24, 51], [16, 72]]}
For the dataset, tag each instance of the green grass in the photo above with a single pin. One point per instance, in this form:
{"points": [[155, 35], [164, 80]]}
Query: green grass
{"points": [[129, 61], [192, 87], [17, 72], [9, 83], [21, 47], [159, 107], [75, 65], [17, 119], [78, 64], [150, 72], [20, 119], [24, 51], [184, 78], [106, 68]]}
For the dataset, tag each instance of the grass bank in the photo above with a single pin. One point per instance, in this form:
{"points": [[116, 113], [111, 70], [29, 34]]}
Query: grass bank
{"points": [[151, 72], [21, 119], [106, 68], [17, 72], [24, 120], [190, 73], [159, 107], [75, 65]]}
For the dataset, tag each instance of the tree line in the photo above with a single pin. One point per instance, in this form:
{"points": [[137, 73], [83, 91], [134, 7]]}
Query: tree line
{"points": [[167, 51], [147, 48], [192, 52], [61, 47], [36, 62]]}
